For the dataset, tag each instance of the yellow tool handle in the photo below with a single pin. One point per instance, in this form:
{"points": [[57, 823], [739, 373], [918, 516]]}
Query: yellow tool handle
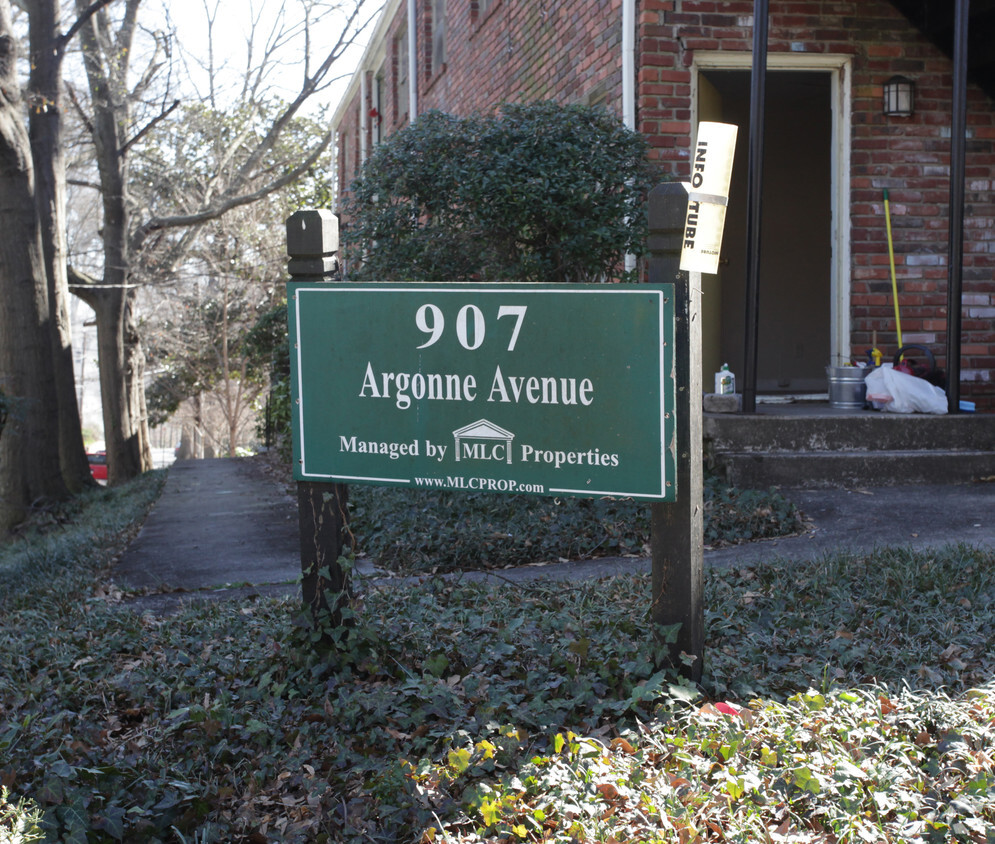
{"points": [[891, 259]]}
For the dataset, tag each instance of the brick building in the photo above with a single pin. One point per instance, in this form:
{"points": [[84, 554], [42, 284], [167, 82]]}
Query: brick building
{"points": [[663, 65]]}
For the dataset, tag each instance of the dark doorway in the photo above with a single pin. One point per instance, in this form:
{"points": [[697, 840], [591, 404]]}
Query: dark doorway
{"points": [[796, 235]]}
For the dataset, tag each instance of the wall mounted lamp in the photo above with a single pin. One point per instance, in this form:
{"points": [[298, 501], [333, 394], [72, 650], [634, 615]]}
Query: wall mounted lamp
{"points": [[899, 97]]}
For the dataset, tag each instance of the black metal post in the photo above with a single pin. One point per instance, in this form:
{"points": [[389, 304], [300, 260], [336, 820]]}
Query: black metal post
{"points": [[677, 530], [955, 254], [754, 194]]}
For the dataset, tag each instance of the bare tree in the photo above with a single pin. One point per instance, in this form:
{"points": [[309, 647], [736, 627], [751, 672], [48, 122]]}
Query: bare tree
{"points": [[107, 59], [202, 347], [132, 238], [201, 334], [41, 382], [48, 44]]}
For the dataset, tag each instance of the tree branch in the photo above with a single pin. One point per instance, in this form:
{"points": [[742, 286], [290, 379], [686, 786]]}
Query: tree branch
{"points": [[126, 33], [81, 20], [79, 107], [86, 286], [231, 201], [82, 183], [310, 85], [148, 127], [82, 285]]}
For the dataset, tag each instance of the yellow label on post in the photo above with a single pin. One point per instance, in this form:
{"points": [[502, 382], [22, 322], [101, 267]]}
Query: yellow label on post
{"points": [[708, 196]]}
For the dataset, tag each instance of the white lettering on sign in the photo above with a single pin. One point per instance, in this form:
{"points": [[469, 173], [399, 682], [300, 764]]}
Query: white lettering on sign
{"points": [[405, 388], [544, 390], [392, 450], [471, 330], [593, 457], [435, 386], [484, 451], [471, 327]]}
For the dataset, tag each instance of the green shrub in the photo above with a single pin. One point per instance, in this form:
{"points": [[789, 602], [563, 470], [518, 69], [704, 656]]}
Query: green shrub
{"points": [[538, 192]]}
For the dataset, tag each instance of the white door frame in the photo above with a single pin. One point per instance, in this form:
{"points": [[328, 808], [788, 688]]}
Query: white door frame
{"points": [[838, 67]]}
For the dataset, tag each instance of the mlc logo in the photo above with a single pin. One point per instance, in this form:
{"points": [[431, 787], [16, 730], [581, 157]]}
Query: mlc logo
{"points": [[483, 440]]}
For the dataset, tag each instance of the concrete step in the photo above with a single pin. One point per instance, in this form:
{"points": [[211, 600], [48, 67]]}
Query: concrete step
{"points": [[858, 431], [756, 469]]}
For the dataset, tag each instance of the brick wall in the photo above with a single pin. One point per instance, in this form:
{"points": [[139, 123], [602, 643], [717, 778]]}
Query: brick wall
{"points": [[510, 52], [542, 49], [348, 142], [515, 50], [908, 156]]}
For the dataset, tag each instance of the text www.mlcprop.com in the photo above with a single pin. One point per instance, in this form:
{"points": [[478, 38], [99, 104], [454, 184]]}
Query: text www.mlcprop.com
{"points": [[482, 484]]}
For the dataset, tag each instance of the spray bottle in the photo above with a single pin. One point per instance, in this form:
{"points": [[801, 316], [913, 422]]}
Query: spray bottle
{"points": [[725, 381]]}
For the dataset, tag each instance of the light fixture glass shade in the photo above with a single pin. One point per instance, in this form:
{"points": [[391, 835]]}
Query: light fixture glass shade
{"points": [[899, 96]]}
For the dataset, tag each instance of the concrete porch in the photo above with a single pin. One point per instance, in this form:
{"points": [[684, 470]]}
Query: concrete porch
{"points": [[809, 444]]}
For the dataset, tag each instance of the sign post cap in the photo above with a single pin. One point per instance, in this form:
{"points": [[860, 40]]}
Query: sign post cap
{"points": [[312, 233]]}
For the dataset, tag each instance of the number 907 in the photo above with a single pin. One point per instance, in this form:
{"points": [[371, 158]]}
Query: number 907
{"points": [[470, 324]]}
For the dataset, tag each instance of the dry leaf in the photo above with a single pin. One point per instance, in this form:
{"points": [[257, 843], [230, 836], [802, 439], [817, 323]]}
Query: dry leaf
{"points": [[623, 745], [608, 791]]}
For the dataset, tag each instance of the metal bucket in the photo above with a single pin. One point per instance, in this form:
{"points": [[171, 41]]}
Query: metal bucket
{"points": [[846, 387]]}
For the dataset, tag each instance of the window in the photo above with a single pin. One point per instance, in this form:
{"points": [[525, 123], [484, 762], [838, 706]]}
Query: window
{"points": [[401, 76], [358, 151], [437, 36], [376, 112], [344, 152]]}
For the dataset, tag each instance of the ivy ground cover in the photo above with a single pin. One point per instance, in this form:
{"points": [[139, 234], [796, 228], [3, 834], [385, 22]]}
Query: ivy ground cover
{"points": [[849, 699], [409, 530]]}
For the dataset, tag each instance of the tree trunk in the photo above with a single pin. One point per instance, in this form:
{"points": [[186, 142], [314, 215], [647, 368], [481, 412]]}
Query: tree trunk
{"points": [[121, 365], [29, 452], [45, 132], [121, 359], [134, 361]]}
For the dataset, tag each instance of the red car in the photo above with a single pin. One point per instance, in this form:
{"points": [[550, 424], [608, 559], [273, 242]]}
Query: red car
{"points": [[98, 465]]}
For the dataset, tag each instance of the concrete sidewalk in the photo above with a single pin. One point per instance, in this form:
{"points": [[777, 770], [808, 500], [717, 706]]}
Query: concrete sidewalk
{"points": [[226, 528], [221, 528]]}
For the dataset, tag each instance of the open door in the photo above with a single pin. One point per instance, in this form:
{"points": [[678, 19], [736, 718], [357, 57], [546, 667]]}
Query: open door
{"points": [[796, 260]]}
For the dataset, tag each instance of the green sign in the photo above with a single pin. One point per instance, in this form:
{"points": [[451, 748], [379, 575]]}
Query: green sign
{"points": [[560, 389]]}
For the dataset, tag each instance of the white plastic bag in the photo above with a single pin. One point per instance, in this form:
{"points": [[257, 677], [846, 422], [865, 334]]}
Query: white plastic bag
{"points": [[899, 392]]}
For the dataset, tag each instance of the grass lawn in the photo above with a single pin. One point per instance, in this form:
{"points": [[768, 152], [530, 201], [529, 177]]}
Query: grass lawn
{"points": [[847, 699]]}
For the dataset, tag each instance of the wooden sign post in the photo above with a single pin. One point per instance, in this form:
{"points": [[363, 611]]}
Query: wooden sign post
{"points": [[677, 539], [391, 384], [312, 243]]}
